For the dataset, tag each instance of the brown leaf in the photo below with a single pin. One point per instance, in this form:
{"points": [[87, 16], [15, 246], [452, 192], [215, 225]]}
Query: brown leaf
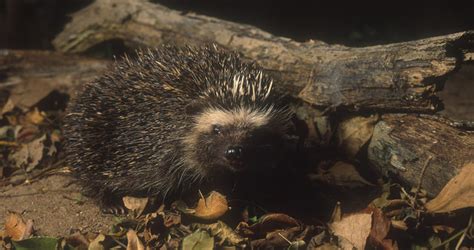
{"points": [[354, 229], [222, 232], [26, 134], [137, 205], [77, 240], [9, 106], [134, 242], [16, 228], [171, 219], [282, 238], [380, 227], [336, 213], [355, 132], [97, 243], [29, 93], [457, 193], [399, 224], [441, 228], [29, 155], [271, 222], [34, 117], [212, 207]]}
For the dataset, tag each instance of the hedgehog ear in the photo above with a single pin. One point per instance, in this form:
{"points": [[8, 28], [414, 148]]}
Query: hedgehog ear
{"points": [[193, 108]]}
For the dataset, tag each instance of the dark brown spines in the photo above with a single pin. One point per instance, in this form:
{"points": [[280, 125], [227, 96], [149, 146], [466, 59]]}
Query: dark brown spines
{"points": [[126, 131]]}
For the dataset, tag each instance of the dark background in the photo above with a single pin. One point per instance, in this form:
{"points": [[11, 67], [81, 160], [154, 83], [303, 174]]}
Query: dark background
{"points": [[32, 24]]}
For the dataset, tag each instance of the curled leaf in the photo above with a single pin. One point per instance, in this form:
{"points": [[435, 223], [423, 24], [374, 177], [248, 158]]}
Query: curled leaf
{"points": [[354, 229], [134, 242], [16, 227], [272, 222], [212, 207], [457, 193], [135, 204]]}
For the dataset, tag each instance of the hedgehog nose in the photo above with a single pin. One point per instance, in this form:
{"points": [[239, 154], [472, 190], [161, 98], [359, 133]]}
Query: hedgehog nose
{"points": [[234, 153]]}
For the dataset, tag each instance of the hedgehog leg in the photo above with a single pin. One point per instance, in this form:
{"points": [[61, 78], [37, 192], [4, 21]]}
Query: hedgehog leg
{"points": [[111, 203], [108, 201]]}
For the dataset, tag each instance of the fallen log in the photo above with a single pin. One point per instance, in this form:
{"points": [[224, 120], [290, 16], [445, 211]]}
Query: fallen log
{"points": [[403, 76], [420, 151]]}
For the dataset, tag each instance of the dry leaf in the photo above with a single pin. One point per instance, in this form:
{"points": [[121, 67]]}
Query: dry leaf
{"points": [[27, 133], [457, 194], [272, 222], [20, 156], [198, 240], [214, 206], [29, 155], [355, 132], [35, 149], [380, 227], [134, 242], [221, 232], [336, 213], [9, 106], [354, 228], [27, 94], [77, 240], [16, 228], [97, 243], [341, 174], [399, 224], [55, 136], [441, 228], [171, 218], [137, 205], [34, 117]]}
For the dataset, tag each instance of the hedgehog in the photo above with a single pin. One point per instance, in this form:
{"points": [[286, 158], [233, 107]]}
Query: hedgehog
{"points": [[170, 120]]}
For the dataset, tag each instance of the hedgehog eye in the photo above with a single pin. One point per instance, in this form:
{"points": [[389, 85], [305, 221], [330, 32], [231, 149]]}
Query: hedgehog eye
{"points": [[216, 129]]}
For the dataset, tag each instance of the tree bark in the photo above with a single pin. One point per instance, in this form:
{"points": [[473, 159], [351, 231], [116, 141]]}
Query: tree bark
{"points": [[403, 76], [420, 150]]}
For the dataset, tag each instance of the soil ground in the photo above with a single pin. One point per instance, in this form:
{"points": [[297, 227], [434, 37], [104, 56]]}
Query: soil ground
{"points": [[56, 208]]}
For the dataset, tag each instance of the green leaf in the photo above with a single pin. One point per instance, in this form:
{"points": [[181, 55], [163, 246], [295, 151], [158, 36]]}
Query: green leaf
{"points": [[198, 240], [39, 243]]}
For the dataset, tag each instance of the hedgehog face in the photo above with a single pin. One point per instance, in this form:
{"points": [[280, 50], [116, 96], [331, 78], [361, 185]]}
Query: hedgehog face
{"points": [[234, 140]]}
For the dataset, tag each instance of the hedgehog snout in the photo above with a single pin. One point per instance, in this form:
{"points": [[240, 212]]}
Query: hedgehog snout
{"points": [[234, 153]]}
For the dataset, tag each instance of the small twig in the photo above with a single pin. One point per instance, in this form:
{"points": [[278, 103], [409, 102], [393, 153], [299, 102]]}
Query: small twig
{"points": [[289, 242], [422, 174], [120, 243], [8, 143], [411, 198], [202, 197], [461, 233], [52, 169], [461, 239]]}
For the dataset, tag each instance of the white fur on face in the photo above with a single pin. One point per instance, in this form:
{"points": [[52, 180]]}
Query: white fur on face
{"points": [[239, 116]]}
